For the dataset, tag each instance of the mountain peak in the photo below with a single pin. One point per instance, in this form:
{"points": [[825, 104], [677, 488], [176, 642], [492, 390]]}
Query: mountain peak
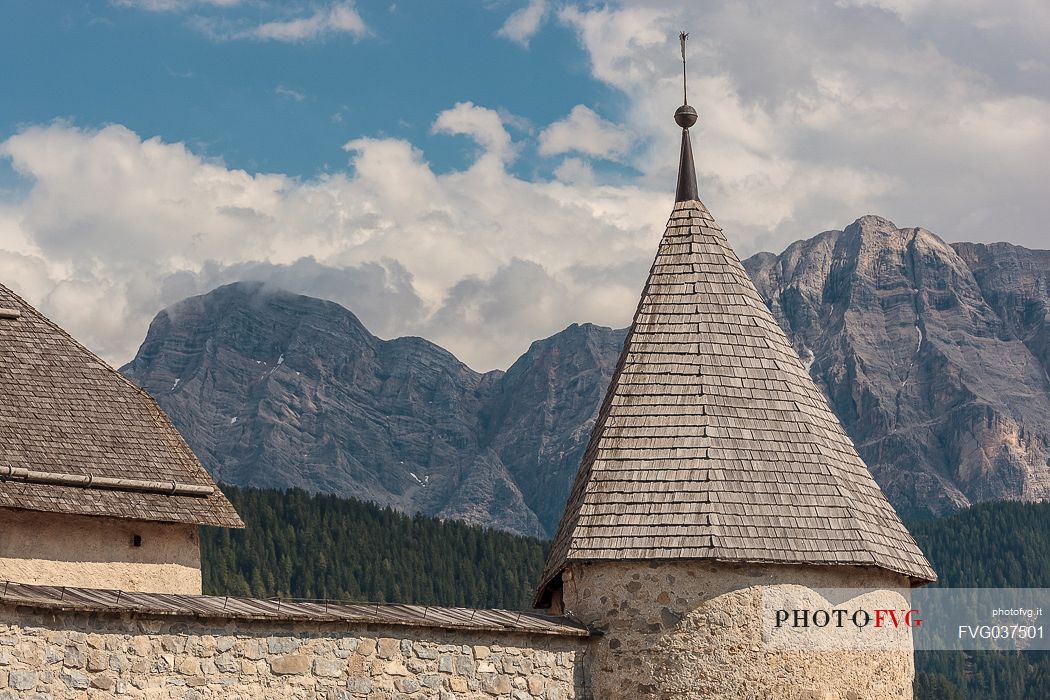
{"points": [[872, 222]]}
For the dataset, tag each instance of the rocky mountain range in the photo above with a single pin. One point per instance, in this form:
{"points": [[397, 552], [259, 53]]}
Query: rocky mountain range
{"points": [[276, 389], [934, 356]]}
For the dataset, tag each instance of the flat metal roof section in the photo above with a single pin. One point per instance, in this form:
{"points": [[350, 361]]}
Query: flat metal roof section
{"points": [[68, 599]]}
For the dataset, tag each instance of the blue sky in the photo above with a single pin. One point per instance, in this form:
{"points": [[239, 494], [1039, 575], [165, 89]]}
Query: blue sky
{"points": [[288, 106], [484, 173]]}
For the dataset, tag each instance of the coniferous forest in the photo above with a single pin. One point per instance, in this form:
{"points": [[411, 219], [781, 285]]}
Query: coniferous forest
{"points": [[991, 545], [300, 545]]}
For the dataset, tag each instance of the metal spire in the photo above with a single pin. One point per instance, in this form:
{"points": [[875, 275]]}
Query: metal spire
{"points": [[685, 116]]}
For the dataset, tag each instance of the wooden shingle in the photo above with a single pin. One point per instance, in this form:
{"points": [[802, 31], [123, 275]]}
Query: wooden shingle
{"points": [[713, 442]]}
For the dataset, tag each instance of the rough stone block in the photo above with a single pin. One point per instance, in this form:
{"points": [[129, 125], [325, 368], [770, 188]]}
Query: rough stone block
{"points": [[74, 658], [103, 682], [464, 665], [289, 665], [189, 666], [536, 684], [396, 668], [329, 668], [496, 684], [407, 685], [389, 648], [359, 686], [425, 651], [22, 680], [74, 678], [282, 645]]}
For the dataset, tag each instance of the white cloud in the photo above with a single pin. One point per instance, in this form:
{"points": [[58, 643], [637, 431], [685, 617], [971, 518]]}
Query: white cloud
{"points": [[585, 132], [903, 8], [575, 171], [115, 227], [931, 113], [524, 22], [173, 5], [480, 123], [290, 93], [335, 19]]}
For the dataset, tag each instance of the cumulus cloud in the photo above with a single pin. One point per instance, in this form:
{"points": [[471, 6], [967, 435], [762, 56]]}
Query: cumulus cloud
{"points": [[585, 132], [480, 123], [331, 20], [904, 8], [115, 227], [575, 171], [523, 23]]}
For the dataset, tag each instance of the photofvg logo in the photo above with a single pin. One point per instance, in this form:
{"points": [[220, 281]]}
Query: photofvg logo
{"points": [[978, 619], [795, 617], [841, 617]]}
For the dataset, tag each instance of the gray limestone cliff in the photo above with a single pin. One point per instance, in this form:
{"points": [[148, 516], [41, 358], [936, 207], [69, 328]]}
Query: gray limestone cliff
{"points": [[933, 356]]}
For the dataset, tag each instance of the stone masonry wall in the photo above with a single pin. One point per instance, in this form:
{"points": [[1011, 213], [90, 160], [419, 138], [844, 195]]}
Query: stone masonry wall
{"points": [[691, 630], [49, 656]]}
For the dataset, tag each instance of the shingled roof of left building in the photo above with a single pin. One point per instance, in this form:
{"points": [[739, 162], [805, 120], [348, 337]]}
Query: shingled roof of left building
{"points": [[77, 437]]}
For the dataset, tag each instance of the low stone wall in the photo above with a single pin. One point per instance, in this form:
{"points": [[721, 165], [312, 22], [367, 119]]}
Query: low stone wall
{"points": [[49, 655]]}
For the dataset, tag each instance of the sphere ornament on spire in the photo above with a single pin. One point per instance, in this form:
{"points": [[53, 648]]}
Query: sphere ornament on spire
{"points": [[685, 116]]}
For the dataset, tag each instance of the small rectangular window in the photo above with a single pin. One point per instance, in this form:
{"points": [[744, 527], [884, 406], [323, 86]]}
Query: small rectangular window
{"points": [[136, 540]]}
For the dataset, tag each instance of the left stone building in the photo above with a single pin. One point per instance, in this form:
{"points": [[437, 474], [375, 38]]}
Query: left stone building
{"points": [[97, 487]]}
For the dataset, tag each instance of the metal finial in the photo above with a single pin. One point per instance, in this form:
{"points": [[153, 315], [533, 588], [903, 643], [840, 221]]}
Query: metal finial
{"points": [[685, 117]]}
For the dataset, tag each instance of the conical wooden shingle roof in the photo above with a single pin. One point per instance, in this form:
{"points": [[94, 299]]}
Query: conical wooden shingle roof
{"points": [[713, 442]]}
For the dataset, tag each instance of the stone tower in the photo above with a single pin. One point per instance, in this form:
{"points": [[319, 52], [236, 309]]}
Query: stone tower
{"points": [[716, 481]]}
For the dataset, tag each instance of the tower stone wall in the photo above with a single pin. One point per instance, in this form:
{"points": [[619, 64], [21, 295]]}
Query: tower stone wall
{"points": [[693, 629]]}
